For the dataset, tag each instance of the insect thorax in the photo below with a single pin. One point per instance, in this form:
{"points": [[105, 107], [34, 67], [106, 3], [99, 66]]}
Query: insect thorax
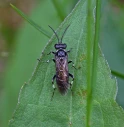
{"points": [[61, 53]]}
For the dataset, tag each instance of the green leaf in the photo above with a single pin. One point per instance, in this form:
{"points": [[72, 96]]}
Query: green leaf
{"points": [[29, 44], [35, 107], [30, 21]]}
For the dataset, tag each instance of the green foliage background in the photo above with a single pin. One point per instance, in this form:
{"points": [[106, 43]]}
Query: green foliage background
{"points": [[29, 43]]}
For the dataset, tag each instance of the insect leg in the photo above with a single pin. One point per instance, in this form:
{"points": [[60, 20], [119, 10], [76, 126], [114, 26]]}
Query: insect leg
{"points": [[53, 86], [48, 60], [72, 63], [51, 52], [72, 79], [44, 61], [69, 50], [71, 76], [38, 60], [53, 60], [53, 79]]}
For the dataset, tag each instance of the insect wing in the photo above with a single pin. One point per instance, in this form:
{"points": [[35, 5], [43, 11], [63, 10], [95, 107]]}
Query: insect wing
{"points": [[62, 76]]}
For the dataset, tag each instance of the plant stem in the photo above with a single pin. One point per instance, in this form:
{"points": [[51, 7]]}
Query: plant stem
{"points": [[96, 41], [89, 49], [118, 74], [95, 57]]}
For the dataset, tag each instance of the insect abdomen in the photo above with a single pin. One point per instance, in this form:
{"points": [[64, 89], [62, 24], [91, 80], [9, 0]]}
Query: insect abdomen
{"points": [[62, 86], [62, 75]]}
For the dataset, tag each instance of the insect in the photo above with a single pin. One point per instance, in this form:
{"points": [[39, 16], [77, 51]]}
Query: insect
{"points": [[61, 63]]}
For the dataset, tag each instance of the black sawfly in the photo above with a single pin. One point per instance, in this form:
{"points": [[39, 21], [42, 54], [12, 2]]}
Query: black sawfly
{"points": [[61, 63]]}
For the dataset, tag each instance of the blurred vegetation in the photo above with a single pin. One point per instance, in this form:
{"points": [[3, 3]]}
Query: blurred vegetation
{"points": [[112, 40], [21, 44]]}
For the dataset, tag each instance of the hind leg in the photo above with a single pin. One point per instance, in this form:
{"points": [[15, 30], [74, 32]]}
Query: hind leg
{"points": [[54, 88], [72, 79]]}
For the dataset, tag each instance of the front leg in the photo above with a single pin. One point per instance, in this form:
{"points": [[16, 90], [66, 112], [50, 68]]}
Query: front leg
{"points": [[51, 52], [46, 61], [69, 50], [48, 54]]}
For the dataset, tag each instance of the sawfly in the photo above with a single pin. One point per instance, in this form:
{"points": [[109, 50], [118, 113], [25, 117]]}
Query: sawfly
{"points": [[61, 63]]}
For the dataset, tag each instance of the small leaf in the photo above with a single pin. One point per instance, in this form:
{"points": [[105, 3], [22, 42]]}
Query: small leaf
{"points": [[35, 107], [30, 21]]}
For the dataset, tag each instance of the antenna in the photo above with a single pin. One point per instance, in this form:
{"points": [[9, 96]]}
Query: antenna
{"points": [[64, 33], [55, 33]]}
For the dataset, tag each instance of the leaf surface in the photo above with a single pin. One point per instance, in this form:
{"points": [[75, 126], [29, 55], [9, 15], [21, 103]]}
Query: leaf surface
{"points": [[35, 107], [29, 44]]}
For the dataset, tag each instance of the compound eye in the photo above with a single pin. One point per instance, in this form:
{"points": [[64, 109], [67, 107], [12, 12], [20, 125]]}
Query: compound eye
{"points": [[64, 46], [56, 46]]}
